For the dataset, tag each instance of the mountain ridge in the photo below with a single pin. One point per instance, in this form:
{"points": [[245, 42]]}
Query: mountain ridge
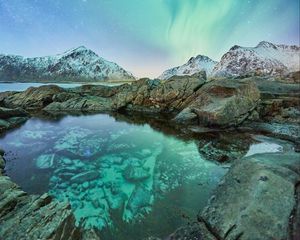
{"points": [[265, 58], [192, 66], [76, 64]]}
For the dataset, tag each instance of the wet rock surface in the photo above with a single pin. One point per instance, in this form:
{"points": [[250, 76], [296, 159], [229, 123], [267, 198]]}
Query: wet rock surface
{"points": [[219, 147], [37, 217]]}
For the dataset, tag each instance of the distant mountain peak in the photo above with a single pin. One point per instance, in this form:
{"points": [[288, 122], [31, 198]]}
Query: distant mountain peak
{"points": [[266, 44], [193, 65], [76, 64], [265, 58], [199, 58], [235, 47], [79, 50]]}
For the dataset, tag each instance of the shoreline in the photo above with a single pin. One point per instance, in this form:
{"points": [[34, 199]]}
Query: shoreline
{"points": [[71, 82], [195, 102]]}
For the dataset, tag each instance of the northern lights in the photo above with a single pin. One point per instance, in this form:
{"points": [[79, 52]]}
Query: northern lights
{"points": [[145, 36]]}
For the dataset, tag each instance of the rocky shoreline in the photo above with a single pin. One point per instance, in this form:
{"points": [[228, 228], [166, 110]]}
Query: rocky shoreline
{"points": [[262, 191]]}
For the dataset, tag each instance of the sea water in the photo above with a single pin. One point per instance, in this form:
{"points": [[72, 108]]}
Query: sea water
{"points": [[18, 86]]}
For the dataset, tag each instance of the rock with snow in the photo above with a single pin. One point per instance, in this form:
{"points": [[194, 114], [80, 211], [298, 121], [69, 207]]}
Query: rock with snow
{"points": [[264, 59], [78, 64], [194, 65]]}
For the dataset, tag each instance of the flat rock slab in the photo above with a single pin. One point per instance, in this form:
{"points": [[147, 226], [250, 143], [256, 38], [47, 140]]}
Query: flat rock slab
{"points": [[255, 199]]}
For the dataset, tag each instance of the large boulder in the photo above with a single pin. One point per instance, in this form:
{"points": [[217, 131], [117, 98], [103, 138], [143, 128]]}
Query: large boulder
{"points": [[159, 96], [172, 93], [221, 103], [33, 97], [259, 199]]}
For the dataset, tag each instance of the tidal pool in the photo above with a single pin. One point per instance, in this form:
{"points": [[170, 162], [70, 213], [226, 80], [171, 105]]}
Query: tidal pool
{"points": [[128, 181]]}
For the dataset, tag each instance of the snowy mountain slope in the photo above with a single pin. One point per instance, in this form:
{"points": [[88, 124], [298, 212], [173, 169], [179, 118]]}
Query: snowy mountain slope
{"points": [[265, 58], [194, 65], [78, 64]]}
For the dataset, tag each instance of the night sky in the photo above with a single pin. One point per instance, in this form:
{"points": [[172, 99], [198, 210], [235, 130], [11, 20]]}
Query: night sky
{"points": [[145, 36]]}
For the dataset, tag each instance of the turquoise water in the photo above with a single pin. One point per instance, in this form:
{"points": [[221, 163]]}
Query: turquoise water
{"points": [[23, 86], [128, 181]]}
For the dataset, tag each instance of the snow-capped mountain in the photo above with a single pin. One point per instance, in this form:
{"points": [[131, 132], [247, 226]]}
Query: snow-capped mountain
{"points": [[266, 59], [194, 65], [78, 64]]}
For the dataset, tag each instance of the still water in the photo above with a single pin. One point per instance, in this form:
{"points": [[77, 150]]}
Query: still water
{"points": [[23, 86], [116, 175], [128, 181]]}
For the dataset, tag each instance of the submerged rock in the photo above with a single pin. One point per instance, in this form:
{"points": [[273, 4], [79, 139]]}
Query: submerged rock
{"points": [[135, 173], [45, 161], [139, 200], [85, 177], [79, 142]]}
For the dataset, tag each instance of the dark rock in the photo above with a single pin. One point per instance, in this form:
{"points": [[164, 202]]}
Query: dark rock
{"points": [[2, 164], [8, 113]]}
